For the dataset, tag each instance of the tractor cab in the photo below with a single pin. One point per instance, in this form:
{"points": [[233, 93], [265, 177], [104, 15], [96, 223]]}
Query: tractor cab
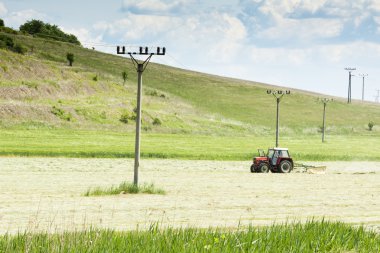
{"points": [[276, 160]]}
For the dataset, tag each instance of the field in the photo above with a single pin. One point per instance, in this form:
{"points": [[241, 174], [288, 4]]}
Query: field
{"points": [[46, 194], [80, 143]]}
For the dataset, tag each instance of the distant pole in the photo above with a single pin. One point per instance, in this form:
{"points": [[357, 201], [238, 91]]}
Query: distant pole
{"points": [[278, 94], [349, 83], [140, 67], [324, 101], [363, 76], [377, 96]]}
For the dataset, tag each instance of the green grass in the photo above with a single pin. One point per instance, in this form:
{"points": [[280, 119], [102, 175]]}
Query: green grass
{"points": [[199, 116], [313, 236], [70, 143], [124, 188]]}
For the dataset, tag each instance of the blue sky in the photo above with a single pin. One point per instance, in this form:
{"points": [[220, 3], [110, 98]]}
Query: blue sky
{"points": [[303, 44]]}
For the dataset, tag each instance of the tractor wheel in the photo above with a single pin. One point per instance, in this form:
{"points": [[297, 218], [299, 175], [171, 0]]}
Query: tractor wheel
{"points": [[263, 168], [253, 168], [285, 166]]}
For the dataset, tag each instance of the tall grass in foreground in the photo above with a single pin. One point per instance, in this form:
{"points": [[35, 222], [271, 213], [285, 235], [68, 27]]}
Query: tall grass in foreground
{"points": [[124, 188], [312, 236]]}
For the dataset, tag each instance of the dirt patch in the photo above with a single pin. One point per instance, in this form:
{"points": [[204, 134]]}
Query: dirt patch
{"points": [[46, 194]]}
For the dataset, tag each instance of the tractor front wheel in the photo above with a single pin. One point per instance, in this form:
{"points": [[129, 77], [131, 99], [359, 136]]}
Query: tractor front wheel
{"points": [[263, 168], [253, 168], [285, 166]]}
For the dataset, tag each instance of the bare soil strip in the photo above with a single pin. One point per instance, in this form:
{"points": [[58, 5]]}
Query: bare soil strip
{"points": [[45, 194]]}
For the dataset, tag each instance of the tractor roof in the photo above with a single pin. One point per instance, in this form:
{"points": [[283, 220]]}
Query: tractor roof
{"points": [[280, 148]]}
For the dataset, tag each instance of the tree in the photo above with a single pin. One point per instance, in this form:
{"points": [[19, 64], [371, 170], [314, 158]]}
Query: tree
{"points": [[1, 23], [70, 58], [125, 76], [370, 125], [32, 27], [48, 31]]}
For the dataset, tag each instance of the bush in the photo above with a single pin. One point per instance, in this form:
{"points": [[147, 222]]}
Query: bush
{"points": [[1, 23], [7, 40], [70, 58], [124, 117], [157, 122], [61, 113], [95, 78], [21, 49], [124, 74], [370, 125]]}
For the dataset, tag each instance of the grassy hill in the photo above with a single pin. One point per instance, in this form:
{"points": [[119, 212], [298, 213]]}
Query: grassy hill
{"points": [[42, 98]]}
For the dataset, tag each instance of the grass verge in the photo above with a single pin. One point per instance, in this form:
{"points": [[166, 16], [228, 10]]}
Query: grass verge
{"points": [[312, 236], [124, 188]]}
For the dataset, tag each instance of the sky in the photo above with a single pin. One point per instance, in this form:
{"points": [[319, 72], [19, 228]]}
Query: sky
{"points": [[302, 44]]}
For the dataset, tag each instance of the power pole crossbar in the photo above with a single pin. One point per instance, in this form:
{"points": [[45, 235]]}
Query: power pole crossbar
{"points": [[140, 68]]}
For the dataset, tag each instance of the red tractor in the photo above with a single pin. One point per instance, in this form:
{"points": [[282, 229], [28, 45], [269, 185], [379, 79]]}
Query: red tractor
{"points": [[277, 160]]}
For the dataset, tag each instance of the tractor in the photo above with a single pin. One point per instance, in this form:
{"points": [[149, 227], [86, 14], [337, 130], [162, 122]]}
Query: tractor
{"points": [[277, 160]]}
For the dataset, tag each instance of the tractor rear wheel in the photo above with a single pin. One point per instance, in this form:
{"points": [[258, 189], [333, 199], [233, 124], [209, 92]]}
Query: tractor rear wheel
{"points": [[285, 166], [263, 168]]}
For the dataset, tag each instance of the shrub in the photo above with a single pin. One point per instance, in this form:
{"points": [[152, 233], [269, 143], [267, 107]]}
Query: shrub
{"points": [[157, 122], [19, 48], [1, 23], [95, 78], [61, 113], [371, 124], [7, 40], [70, 58], [124, 117], [124, 74]]}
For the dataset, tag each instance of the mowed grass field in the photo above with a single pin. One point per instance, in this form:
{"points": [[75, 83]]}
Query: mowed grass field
{"points": [[216, 206], [81, 143]]}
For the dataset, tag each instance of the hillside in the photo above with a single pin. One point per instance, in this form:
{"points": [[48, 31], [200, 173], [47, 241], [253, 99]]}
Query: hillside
{"points": [[38, 91]]}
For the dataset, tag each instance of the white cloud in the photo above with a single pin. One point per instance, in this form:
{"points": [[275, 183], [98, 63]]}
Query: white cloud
{"points": [[152, 6], [84, 36], [137, 27], [3, 10], [15, 19], [304, 30]]}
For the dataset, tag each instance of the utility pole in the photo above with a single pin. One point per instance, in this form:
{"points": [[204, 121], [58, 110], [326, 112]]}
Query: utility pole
{"points": [[377, 96], [349, 83], [363, 76], [324, 101], [278, 94], [140, 67]]}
